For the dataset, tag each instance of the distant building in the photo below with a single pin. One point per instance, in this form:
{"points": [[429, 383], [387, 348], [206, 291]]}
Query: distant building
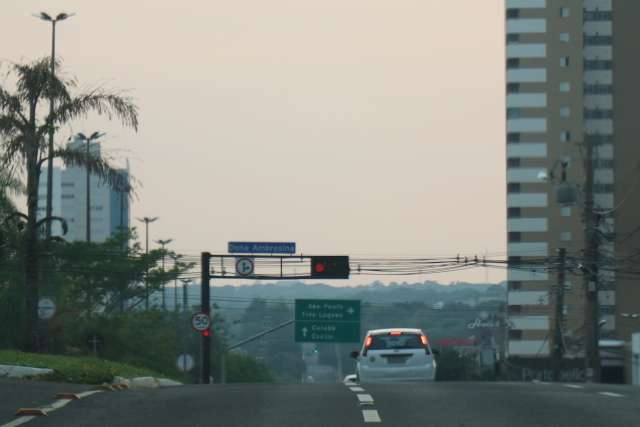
{"points": [[109, 208]]}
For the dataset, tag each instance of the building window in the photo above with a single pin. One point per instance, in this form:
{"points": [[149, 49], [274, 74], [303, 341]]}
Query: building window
{"points": [[565, 211], [564, 61], [598, 114], [565, 37], [515, 334], [514, 285], [597, 40], [515, 309], [513, 38], [513, 13], [597, 15], [565, 236], [513, 63], [565, 87], [67, 184], [513, 163], [513, 87], [514, 212], [565, 136], [564, 12], [598, 64], [565, 111], [68, 196], [513, 187], [598, 89], [514, 237], [513, 113], [513, 137]]}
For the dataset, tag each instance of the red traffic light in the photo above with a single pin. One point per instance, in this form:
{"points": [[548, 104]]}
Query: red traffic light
{"points": [[330, 267], [206, 333], [319, 267]]}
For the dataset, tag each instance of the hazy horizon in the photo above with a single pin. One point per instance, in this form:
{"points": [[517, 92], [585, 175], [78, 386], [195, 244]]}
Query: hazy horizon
{"points": [[337, 125]]}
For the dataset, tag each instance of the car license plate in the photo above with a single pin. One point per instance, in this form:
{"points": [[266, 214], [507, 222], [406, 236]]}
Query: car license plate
{"points": [[396, 360]]}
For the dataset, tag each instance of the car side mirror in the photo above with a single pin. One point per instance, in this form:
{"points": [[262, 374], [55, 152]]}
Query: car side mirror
{"points": [[354, 354]]}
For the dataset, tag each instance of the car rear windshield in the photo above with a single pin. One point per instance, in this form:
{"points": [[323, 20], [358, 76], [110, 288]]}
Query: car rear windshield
{"points": [[394, 342]]}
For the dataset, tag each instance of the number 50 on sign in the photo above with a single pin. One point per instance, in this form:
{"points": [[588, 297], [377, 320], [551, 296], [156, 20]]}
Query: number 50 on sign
{"points": [[200, 322]]}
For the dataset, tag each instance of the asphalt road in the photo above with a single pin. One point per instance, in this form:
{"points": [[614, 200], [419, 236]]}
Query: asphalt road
{"points": [[310, 405]]}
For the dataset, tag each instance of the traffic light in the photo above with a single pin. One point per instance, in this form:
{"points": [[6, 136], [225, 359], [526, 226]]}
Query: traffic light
{"points": [[206, 333], [330, 267]]}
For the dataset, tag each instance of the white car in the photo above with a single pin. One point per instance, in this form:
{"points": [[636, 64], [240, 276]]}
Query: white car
{"points": [[399, 354]]}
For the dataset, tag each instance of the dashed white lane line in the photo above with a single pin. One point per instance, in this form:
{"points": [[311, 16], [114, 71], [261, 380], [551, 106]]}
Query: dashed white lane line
{"points": [[371, 416], [573, 386], [356, 389], [540, 382], [610, 394], [365, 398]]}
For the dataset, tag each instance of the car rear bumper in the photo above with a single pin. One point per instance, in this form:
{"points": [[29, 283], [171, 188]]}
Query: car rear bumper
{"points": [[384, 374]]}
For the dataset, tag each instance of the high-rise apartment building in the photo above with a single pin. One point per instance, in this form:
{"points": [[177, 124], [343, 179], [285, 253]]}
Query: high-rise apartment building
{"points": [[572, 81], [109, 208]]}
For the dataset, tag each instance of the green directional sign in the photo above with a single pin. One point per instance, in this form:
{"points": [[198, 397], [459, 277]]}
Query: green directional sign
{"points": [[322, 320]]}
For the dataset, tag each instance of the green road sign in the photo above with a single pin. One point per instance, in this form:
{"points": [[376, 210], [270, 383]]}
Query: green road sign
{"points": [[320, 320]]}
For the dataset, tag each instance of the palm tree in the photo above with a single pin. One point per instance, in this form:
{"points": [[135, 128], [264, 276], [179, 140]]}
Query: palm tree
{"points": [[24, 122]]}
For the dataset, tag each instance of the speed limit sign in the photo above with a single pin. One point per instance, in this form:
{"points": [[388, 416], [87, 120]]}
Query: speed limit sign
{"points": [[200, 322]]}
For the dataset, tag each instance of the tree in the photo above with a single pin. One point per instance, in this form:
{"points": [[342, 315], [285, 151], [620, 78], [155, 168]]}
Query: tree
{"points": [[23, 151]]}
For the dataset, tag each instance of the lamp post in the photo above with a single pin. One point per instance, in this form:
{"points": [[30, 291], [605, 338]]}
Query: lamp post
{"points": [[163, 243], [92, 137], [146, 221], [46, 17]]}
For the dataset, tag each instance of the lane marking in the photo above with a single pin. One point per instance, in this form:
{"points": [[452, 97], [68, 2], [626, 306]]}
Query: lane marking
{"points": [[371, 416], [573, 386], [365, 398], [540, 382], [357, 389], [88, 393], [49, 408], [18, 421], [608, 393]]}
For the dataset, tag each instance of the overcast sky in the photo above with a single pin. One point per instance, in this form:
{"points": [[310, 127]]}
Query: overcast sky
{"points": [[359, 127]]}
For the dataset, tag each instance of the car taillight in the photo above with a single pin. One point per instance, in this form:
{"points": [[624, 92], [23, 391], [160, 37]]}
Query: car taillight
{"points": [[367, 342], [424, 340]]}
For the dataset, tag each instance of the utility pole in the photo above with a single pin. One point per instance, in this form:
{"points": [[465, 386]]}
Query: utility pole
{"points": [[590, 274], [163, 243], [558, 348], [146, 221]]}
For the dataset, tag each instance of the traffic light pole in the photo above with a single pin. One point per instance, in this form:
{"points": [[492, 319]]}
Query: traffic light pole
{"points": [[205, 292]]}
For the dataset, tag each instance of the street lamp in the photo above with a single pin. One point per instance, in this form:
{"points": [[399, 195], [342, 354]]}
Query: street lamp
{"points": [[46, 17], [146, 221], [163, 243], [92, 137]]}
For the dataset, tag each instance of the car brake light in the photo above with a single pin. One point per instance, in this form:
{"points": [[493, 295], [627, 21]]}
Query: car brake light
{"points": [[395, 333], [367, 342], [424, 340]]}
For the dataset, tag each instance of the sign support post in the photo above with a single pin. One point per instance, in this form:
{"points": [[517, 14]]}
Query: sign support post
{"points": [[206, 309]]}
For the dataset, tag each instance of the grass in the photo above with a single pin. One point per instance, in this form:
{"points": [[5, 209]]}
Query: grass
{"points": [[71, 369]]}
